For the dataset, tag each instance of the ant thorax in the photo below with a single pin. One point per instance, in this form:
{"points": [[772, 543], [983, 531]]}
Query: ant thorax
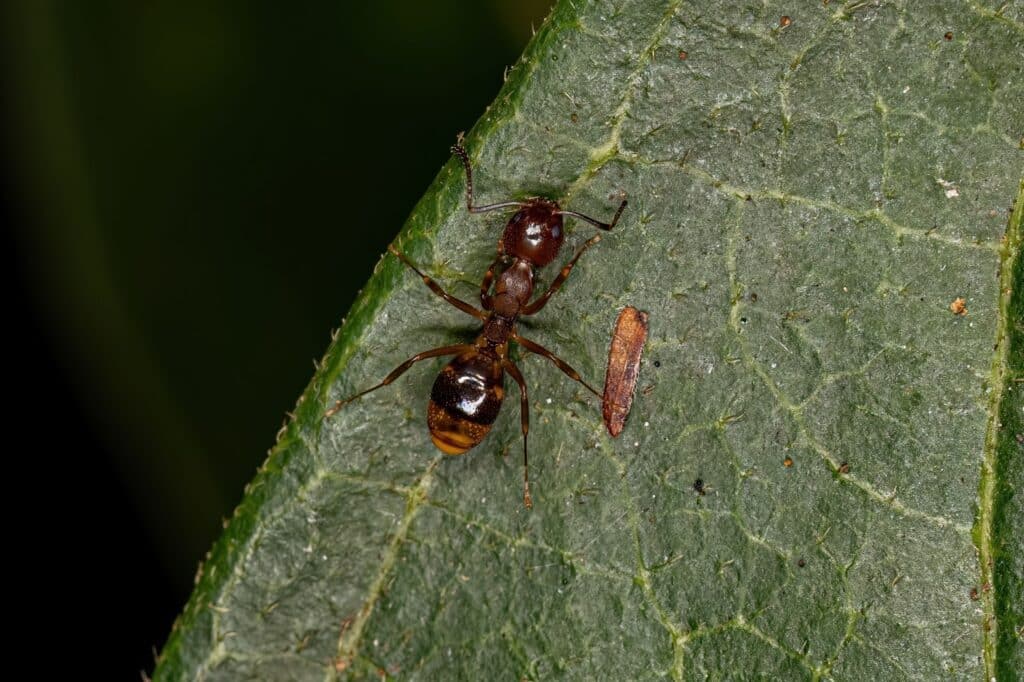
{"points": [[513, 289]]}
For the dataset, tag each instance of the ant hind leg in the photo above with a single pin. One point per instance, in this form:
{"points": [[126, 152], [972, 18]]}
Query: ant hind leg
{"points": [[561, 364], [524, 417], [399, 371]]}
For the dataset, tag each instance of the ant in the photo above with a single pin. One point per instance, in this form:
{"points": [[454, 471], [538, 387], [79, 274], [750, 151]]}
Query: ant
{"points": [[468, 392]]}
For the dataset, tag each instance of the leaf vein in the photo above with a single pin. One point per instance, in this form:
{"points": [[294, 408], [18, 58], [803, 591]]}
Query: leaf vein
{"points": [[351, 633], [891, 500]]}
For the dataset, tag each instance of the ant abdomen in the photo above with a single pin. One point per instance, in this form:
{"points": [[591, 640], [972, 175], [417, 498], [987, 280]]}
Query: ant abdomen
{"points": [[464, 402]]}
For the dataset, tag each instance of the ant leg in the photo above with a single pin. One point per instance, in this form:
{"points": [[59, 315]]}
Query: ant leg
{"points": [[598, 223], [542, 301], [524, 417], [561, 364], [436, 288], [460, 151], [399, 371], [485, 285]]}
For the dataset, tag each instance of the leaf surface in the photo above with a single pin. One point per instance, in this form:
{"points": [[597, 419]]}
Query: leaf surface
{"points": [[807, 199]]}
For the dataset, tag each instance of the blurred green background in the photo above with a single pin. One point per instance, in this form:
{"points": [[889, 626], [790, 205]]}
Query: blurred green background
{"points": [[197, 192]]}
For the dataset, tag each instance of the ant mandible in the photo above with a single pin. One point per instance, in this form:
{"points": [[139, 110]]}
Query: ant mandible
{"points": [[468, 392]]}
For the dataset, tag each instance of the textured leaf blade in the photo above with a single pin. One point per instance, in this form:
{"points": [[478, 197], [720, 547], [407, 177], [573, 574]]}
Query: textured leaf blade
{"points": [[806, 202]]}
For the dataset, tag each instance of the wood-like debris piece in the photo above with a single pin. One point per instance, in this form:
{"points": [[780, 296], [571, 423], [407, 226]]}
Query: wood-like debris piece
{"points": [[958, 307], [623, 367]]}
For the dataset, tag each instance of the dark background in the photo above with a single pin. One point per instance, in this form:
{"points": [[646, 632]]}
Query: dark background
{"points": [[193, 194]]}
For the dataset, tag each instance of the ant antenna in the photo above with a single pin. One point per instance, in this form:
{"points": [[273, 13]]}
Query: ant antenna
{"points": [[460, 151], [597, 223]]}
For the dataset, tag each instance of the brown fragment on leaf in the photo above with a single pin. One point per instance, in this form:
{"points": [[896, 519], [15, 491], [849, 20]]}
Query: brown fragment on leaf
{"points": [[788, 462], [623, 367], [958, 306], [844, 468], [683, 54], [784, 21]]}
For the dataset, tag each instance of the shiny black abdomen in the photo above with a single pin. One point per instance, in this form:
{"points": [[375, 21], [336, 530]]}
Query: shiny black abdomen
{"points": [[465, 401]]}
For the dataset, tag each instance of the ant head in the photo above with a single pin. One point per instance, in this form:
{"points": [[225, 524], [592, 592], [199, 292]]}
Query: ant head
{"points": [[534, 233]]}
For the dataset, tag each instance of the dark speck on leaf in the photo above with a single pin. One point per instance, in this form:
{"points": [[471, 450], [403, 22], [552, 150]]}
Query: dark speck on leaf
{"points": [[844, 468], [698, 486], [753, 297], [801, 563], [743, 320], [657, 363], [974, 594], [683, 54], [949, 35]]}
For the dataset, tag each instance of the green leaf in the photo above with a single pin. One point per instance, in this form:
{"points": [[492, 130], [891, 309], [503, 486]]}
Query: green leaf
{"points": [[806, 202]]}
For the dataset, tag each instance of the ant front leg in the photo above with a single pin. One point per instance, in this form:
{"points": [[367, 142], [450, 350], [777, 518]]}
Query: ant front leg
{"points": [[399, 371], [436, 288], [524, 420], [542, 301], [485, 285], [461, 152], [559, 362]]}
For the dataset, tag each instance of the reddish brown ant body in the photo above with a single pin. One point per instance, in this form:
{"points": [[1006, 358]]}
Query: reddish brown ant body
{"points": [[468, 392]]}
